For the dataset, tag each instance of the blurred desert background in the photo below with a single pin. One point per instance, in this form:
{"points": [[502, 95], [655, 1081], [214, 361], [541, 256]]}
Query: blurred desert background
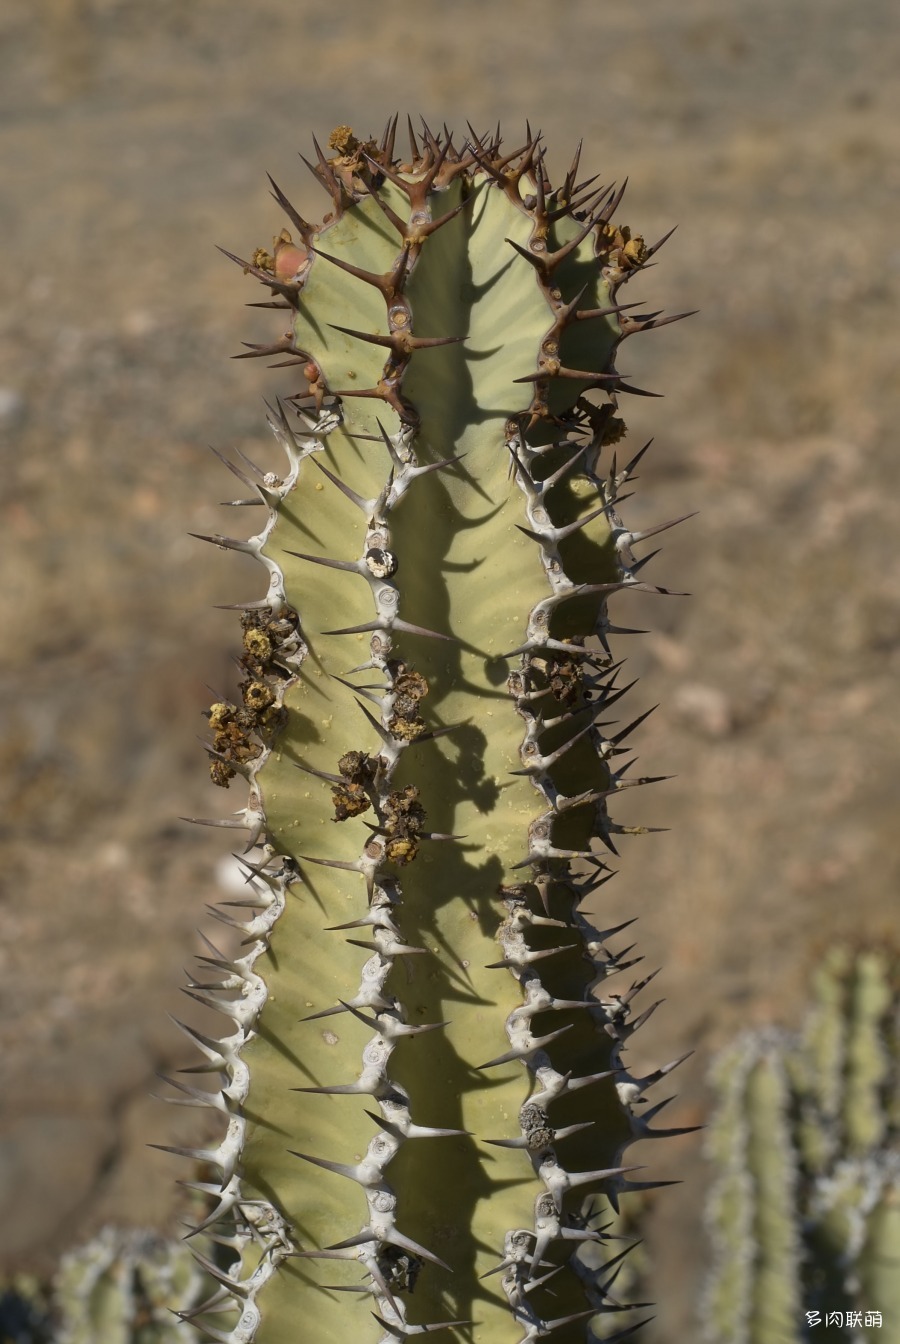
{"points": [[135, 135]]}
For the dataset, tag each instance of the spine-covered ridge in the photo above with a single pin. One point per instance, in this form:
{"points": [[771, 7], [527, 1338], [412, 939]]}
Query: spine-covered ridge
{"points": [[454, 322]]}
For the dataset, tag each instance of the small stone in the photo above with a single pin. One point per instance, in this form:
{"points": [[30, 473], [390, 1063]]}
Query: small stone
{"points": [[12, 409], [705, 707]]}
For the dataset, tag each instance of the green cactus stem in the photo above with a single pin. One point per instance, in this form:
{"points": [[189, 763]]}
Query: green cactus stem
{"points": [[425, 1077], [804, 1214]]}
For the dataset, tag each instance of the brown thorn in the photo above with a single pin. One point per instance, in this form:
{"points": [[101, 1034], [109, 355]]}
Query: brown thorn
{"points": [[439, 466], [419, 190], [549, 481], [429, 136], [396, 277], [399, 224], [317, 175], [235, 470], [382, 731], [388, 443], [247, 266], [540, 188], [288, 290], [565, 313], [342, 485], [572, 174], [478, 139], [372, 698], [305, 230], [333, 183], [560, 533], [538, 260], [587, 314], [568, 210], [636, 324], [413, 143], [224, 543], [426, 230], [408, 628], [361, 392], [388, 171], [401, 342], [582, 186], [431, 342], [588, 375], [351, 565], [532, 163], [486, 166], [528, 148], [283, 347], [330, 863], [626, 474], [368, 628], [553, 259], [442, 732], [385, 393], [369, 277], [388, 138], [262, 605], [582, 375], [215, 821], [651, 251], [389, 341], [607, 213], [620, 736], [661, 527]]}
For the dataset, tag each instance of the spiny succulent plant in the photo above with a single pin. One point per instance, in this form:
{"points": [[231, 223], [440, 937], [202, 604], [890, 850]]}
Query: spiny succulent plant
{"points": [[424, 1074], [117, 1288], [805, 1212]]}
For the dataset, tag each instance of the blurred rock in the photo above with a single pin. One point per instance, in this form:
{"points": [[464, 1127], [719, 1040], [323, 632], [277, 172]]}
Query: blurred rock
{"points": [[49, 1167], [704, 707], [12, 409]]}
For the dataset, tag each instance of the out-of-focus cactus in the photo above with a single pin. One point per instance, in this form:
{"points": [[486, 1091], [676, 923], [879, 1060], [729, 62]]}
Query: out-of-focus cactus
{"points": [[122, 1287], [426, 727], [804, 1215]]}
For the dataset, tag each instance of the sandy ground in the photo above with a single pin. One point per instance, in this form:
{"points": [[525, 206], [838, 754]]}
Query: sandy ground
{"points": [[134, 136]]}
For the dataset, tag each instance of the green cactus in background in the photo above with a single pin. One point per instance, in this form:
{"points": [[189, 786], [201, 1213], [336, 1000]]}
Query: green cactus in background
{"points": [[805, 1212], [118, 1288], [426, 727]]}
